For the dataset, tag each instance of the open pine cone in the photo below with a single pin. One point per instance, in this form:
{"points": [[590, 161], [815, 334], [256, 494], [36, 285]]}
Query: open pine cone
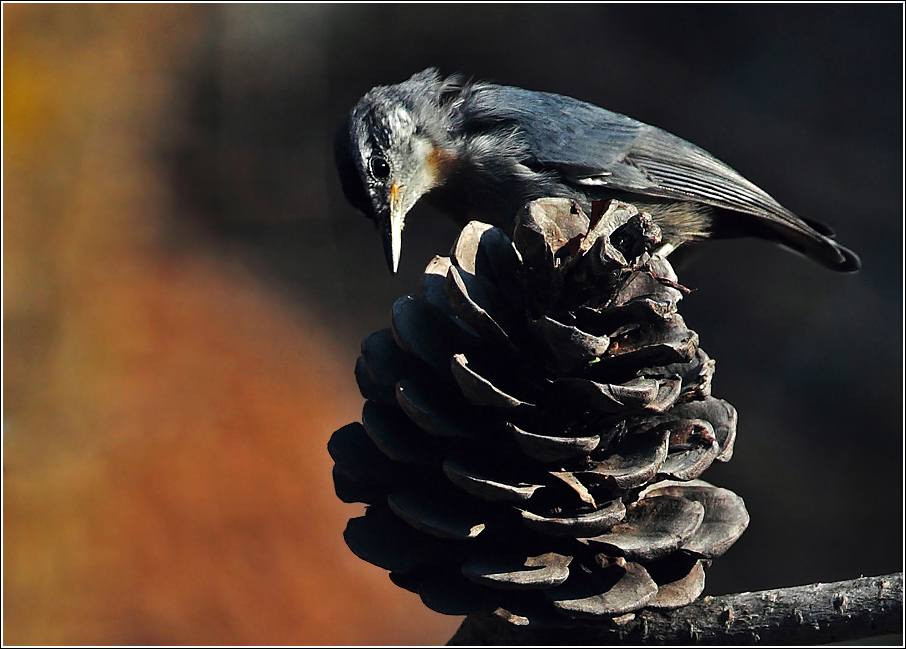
{"points": [[536, 420]]}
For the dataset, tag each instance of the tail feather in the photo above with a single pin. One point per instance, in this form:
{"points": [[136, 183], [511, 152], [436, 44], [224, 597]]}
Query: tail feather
{"points": [[809, 238]]}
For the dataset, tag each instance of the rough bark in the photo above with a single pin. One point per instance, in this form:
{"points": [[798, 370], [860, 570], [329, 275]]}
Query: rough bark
{"points": [[804, 615]]}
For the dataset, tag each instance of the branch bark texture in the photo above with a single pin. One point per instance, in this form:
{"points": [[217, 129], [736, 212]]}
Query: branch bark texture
{"points": [[812, 614]]}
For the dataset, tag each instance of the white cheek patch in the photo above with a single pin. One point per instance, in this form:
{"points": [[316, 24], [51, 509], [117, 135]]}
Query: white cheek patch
{"points": [[422, 150]]}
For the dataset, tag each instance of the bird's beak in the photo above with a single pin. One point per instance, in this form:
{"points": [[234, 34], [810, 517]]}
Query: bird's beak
{"points": [[392, 230]]}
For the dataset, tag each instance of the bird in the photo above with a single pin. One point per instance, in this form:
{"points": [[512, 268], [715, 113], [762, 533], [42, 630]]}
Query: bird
{"points": [[479, 150]]}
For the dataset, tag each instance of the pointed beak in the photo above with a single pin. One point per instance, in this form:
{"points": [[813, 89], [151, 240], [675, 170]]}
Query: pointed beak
{"points": [[392, 229]]}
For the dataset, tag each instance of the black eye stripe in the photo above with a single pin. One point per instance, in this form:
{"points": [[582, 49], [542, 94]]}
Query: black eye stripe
{"points": [[379, 168]]}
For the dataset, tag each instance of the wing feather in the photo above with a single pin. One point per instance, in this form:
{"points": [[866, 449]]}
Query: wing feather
{"points": [[591, 146]]}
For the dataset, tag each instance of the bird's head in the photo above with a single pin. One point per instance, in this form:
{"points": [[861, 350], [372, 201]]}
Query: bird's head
{"points": [[392, 149]]}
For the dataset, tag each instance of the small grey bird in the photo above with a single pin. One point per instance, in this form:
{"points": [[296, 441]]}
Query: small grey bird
{"points": [[481, 151]]}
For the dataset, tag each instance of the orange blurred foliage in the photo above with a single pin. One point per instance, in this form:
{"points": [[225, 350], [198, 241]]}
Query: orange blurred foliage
{"points": [[166, 414]]}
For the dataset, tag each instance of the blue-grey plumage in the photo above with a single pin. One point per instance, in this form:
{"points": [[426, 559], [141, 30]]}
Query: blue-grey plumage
{"points": [[480, 150]]}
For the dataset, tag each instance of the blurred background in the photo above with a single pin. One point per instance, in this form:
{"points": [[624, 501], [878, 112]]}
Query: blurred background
{"points": [[185, 291]]}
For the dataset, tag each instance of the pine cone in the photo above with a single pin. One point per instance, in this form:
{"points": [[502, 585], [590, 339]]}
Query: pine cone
{"points": [[536, 420]]}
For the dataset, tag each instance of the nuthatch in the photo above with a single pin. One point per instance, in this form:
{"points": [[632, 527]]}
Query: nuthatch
{"points": [[479, 150]]}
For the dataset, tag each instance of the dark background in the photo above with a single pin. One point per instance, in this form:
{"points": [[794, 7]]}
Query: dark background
{"points": [[803, 100], [185, 292]]}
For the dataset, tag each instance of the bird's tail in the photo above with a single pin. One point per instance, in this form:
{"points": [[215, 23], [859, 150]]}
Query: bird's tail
{"points": [[806, 237]]}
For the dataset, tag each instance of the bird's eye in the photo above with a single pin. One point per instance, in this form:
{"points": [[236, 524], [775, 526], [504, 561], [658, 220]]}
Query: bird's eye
{"points": [[379, 168]]}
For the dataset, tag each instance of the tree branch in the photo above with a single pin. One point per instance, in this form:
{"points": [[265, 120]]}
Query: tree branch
{"points": [[813, 614]]}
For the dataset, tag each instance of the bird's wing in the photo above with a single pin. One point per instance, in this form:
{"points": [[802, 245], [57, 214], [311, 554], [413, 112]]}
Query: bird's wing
{"points": [[592, 146]]}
